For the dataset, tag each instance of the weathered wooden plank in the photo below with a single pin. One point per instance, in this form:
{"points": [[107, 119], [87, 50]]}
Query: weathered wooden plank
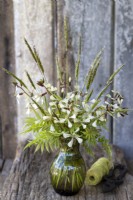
{"points": [[7, 166], [7, 100], [34, 21], [89, 19], [124, 81]]}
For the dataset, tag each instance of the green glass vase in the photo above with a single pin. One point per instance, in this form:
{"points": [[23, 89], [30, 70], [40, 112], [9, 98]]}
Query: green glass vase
{"points": [[68, 170]]}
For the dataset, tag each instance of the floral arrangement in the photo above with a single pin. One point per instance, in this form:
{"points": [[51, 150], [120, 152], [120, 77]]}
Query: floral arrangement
{"points": [[65, 112]]}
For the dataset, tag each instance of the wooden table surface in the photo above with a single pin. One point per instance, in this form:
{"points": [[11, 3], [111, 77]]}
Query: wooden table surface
{"points": [[29, 179]]}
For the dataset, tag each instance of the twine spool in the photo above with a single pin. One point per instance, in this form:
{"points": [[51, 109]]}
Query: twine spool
{"points": [[97, 171]]}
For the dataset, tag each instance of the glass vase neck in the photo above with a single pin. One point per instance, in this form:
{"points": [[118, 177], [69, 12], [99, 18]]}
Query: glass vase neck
{"points": [[66, 148]]}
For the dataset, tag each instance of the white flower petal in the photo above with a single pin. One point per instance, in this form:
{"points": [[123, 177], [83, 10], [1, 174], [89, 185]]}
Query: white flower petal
{"points": [[70, 79], [34, 106], [52, 103], [115, 106], [118, 115], [69, 124], [66, 135], [93, 101], [80, 140], [70, 144], [77, 97], [49, 110], [52, 128], [102, 118], [28, 111], [84, 126], [94, 124], [61, 120], [46, 117], [52, 98], [53, 89], [62, 90], [68, 112], [56, 121], [98, 112], [72, 96], [76, 130], [76, 120], [73, 116], [87, 120]]}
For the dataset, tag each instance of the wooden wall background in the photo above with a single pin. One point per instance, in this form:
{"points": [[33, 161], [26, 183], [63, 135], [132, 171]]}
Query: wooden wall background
{"points": [[102, 23]]}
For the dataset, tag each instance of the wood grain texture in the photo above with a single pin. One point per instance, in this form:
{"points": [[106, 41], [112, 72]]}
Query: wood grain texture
{"points": [[29, 179], [33, 21], [123, 128], [7, 100]]}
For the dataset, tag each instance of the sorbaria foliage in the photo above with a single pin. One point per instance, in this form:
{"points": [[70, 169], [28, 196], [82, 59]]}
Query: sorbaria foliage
{"points": [[71, 115]]}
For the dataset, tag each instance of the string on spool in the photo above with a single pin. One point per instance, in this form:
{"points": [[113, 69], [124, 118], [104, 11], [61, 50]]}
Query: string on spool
{"points": [[98, 170]]}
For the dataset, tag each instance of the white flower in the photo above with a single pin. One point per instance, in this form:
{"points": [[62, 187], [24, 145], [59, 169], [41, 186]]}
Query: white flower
{"points": [[37, 121], [73, 116], [50, 111], [80, 140], [93, 101], [61, 120], [62, 90], [68, 112], [70, 79], [66, 135], [46, 118], [87, 120], [120, 101], [84, 126], [94, 124], [52, 98], [17, 94], [76, 120], [76, 130], [34, 106], [70, 144], [61, 105], [72, 96], [115, 106], [98, 112], [77, 97], [69, 124], [118, 115], [52, 129], [52, 103], [53, 89], [102, 118], [85, 106], [28, 111]]}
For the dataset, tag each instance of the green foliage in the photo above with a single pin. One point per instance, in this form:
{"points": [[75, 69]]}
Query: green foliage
{"points": [[78, 61], [71, 116], [29, 78], [93, 70], [35, 56]]}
